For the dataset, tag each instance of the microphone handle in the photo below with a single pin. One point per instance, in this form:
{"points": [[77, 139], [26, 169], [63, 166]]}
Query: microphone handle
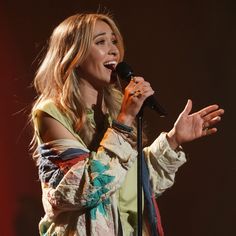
{"points": [[154, 105], [150, 101]]}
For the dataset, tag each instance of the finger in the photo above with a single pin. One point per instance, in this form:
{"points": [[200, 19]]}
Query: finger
{"points": [[188, 107], [211, 122], [213, 114], [142, 82], [131, 88], [129, 91], [143, 93], [137, 93], [136, 79], [133, 82], [211, 131], [143, 85], [134, 85], [203, 112], [139, 88], [147, 93]]}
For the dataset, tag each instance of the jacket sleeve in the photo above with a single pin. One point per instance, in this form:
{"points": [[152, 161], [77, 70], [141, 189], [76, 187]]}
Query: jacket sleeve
{"points": [[75, 179], [163, 162]]}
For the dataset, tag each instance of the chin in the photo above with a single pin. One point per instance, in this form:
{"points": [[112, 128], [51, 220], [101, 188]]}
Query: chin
{"points": [[107, 79], [107, 82]]}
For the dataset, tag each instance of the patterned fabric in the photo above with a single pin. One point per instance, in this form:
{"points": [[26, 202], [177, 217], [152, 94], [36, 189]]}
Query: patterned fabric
{"points": [[53, 165], [94, 193], [79, 186]]}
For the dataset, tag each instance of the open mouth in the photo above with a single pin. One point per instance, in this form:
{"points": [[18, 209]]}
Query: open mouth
{"points": [[111, 65]]}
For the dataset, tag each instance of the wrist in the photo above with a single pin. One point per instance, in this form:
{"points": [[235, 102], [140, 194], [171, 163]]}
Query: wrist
{"points": [[124, 119], [172, 139], [125, 131], [122, 127]]}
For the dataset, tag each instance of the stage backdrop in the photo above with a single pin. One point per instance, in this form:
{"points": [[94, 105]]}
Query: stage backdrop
{"points": [[186, 49]]}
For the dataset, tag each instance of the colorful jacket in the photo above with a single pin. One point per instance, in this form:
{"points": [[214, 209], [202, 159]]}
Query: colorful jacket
{"points": [[80, 188]]}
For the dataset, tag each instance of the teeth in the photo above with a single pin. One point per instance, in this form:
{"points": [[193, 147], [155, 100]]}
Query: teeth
{"points": [[110, 63]]}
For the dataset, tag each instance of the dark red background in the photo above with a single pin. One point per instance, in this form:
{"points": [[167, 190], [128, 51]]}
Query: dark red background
{"points": [[186, 49]]}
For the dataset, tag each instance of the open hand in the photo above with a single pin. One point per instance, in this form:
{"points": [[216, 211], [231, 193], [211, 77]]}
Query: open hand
{"points": [[189, 127]]}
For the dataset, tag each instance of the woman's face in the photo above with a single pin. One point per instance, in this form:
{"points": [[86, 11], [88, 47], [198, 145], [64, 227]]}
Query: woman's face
{"points": [[103, 56]]}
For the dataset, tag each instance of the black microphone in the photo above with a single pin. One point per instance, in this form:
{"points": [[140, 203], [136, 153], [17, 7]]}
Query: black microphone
{"points": [[126, 73]]}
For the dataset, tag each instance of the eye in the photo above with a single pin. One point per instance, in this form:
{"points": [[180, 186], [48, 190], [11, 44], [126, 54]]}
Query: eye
{"points": [[115, 41], [100, 42]]}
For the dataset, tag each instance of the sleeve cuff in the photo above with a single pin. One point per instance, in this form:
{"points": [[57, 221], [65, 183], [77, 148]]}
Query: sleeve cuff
{"points": [[169, 159]]}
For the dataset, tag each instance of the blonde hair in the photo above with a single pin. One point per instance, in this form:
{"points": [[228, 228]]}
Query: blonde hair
{"points": [[56, 78]]}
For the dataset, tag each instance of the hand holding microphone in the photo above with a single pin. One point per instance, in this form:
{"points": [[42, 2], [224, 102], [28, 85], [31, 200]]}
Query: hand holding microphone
{"points": [[125, 72]]}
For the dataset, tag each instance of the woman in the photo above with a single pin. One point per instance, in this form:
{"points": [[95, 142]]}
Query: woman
{"points": [[86, 136]]}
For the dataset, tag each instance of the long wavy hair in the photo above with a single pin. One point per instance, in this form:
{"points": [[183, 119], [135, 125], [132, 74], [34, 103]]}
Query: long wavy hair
{"points": [[57, 80]]}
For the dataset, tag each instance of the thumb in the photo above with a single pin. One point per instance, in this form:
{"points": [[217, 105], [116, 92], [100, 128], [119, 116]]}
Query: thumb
{"points": [[188, 107]]}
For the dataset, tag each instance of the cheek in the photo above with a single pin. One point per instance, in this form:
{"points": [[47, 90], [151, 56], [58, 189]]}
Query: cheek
{"points": [[99, 54], [94, 60]]}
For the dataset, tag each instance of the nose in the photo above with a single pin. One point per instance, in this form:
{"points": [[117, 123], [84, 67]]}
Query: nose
{"points": [[113, 50]]}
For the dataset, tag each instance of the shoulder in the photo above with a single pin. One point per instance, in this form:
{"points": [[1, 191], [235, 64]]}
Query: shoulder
{"points": [[49, 119], [49, 108]]}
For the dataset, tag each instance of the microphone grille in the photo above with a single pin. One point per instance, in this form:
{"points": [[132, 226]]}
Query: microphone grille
{"points": [[124, 71]]}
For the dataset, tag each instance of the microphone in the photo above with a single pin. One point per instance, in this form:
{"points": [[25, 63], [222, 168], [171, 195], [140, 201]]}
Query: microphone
{"points": [[126, 73]]}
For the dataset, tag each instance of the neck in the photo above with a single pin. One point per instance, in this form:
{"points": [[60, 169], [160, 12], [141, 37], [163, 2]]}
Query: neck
{"points": [[93, 97]]}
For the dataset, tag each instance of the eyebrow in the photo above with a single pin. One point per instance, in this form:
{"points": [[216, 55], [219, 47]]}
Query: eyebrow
{"points": [[101, 34]]}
